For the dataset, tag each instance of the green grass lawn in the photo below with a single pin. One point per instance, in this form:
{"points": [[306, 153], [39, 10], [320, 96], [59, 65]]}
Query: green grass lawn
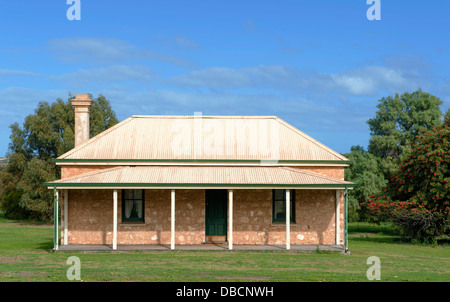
{"points": [[25, 255]]}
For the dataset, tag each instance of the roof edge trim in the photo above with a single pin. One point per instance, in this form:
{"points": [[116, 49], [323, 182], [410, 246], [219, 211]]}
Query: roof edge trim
{"points": [[112, 185], [90, 160], [68, 161]]}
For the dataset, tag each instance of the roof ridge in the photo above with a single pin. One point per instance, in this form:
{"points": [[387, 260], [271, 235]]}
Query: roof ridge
{"points": [[207, 116]]}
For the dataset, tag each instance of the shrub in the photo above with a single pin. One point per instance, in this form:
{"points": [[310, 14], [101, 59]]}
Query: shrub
{"points": [[417, 197], [420, 225]]}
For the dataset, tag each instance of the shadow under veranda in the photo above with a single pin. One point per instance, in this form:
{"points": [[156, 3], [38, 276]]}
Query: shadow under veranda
{"points": [[46, 245]]}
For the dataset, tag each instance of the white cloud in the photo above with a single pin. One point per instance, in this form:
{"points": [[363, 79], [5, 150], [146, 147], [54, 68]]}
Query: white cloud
{"points": [[165, 43], [79, 49], [371, 79], [21, 97], [185, 43], [215, 77], [354, 84], [10, 72], [275, 76], [105, 50], [109, 74], [368, 80]]}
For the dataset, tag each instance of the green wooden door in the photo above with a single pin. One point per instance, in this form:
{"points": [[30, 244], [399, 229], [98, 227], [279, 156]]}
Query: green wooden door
{"points": [[216, 212]]}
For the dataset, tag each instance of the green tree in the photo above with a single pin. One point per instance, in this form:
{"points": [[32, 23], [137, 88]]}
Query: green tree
{"points": [[393, 129], [399, 119], [417, 196], [46, 134], [366, 174]]}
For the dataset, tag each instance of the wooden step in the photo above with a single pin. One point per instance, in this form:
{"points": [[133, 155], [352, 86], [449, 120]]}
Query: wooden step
{"points": [[215, 239]]}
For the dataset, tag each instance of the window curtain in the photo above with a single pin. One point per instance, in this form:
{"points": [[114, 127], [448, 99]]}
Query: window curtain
{"points": [[139, 207], [128, 208], [280, 209]]}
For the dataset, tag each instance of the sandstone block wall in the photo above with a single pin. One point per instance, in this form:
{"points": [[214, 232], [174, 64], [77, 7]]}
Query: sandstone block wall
{"points": [[334, 172], [90, 218], [74, 170], [314, 218]]}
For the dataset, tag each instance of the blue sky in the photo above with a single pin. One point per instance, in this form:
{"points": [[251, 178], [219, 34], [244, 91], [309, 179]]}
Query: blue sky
{"points": [[319, 65]]}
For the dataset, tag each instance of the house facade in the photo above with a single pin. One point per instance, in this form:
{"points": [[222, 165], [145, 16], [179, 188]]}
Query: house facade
{"points": [[191, 180]]}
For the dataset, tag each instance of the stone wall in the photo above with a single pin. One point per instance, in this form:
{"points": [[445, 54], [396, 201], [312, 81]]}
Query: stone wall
{"points": [[90, 214], [314, 218], [74, 170], [333, 172], [90, 218]]}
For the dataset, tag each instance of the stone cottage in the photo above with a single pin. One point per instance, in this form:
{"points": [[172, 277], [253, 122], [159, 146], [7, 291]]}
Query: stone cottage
{"points": [[179, 181]]}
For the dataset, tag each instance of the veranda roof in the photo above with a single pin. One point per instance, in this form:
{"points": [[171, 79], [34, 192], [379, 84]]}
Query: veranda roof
{"points": [[200, 177]]}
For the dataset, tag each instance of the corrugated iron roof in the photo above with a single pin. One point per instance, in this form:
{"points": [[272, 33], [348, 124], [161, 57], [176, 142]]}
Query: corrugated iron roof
{"points": [[200, 176], [203, 138]]}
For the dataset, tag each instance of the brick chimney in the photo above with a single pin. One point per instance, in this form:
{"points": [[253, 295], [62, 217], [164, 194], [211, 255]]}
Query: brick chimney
{"points": [[81, 103]]}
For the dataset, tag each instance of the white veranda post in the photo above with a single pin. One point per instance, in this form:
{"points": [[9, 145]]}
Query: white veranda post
{"points": [[338, 217], [288, 219], [172, 220], [57, 194], [114, 219], [66, 217], [230, 219]]}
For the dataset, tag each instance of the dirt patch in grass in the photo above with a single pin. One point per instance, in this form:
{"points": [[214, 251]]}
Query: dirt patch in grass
{"points": [[150, 277], [22, 274], [33, 224], [232, 277], [362, 235], [11, 260]]}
